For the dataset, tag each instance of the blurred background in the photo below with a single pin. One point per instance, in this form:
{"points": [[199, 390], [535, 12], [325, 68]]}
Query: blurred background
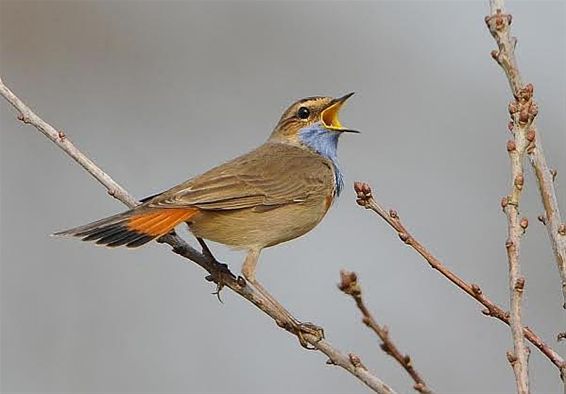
{"points": [[156, 92]]}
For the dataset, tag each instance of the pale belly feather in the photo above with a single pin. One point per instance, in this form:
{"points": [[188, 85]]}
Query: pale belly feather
{"points": [[256, 229]]}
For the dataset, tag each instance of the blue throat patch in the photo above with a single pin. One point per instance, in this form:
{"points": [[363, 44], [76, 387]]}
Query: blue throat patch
{"points": [[325, 143]]}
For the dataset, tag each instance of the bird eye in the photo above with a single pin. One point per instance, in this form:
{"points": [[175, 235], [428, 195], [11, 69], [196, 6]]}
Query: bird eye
{"points": [[303, 113]]}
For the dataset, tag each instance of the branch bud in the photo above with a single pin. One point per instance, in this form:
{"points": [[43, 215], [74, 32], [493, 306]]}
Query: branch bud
{"points": [[349, 283], [511, 146], [476, 289], [511, 358], [404, 237], [519, 284], [500, 20], [513, 107], [524, 223], [524, 116], [519, 181], [355, 361], [495, 55], [363, 193], [526, 93]]}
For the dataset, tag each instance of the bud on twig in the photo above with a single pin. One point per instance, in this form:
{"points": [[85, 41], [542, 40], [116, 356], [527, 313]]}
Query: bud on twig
{"points": [[349, 283], [524, 223], [476, 289], [519, 181], [519, 284], [511, 358], [356, 362]]}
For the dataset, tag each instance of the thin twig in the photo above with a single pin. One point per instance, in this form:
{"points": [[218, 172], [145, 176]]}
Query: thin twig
{"points": [[499, 26], [349, 285], [218, 272], [366, 200]]}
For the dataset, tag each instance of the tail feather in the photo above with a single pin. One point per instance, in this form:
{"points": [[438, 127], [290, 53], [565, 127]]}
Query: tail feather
{"points": [[132, 228]]}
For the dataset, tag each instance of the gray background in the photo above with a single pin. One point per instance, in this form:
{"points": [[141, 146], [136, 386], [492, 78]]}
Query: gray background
{"points": [[158, 92]]}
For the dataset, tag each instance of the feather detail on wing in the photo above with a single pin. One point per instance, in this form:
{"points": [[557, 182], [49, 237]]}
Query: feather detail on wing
{"points": [[275, 174]]}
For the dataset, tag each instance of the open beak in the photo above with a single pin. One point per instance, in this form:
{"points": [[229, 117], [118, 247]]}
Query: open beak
{"points": [[329, 116]]}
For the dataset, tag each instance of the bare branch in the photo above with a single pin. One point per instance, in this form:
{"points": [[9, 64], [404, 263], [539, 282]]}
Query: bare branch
{"points": [[365, 199], [350, 286], [499, 26], [219, 273], [523, 111]]}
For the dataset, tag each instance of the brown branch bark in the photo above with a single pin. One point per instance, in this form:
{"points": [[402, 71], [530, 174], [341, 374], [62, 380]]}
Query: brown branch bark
{"points": [[219, 273], [515, 229], [499, 26], [523, 110], [349, 285], [366, 200]]}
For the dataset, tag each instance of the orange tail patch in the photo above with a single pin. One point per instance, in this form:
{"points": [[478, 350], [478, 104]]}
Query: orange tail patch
{"points": [[157, 223], [132, 228]]}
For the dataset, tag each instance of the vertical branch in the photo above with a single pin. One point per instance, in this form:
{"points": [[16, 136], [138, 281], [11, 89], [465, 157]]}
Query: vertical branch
{"points": [[515, 229], [499, 27], [522, 111]]}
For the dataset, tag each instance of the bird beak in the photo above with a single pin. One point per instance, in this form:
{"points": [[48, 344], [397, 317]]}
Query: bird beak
{"points": [[329, 116]]}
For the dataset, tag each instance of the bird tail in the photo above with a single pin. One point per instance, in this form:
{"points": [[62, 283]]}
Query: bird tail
{"points": [[132, 228]]}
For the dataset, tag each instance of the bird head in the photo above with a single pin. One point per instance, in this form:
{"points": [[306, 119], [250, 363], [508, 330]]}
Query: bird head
{"points": [[312, 116]]}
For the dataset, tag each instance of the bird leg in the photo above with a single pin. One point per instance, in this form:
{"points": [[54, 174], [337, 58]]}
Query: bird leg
{"points": [[290, 323], [220, 269]]}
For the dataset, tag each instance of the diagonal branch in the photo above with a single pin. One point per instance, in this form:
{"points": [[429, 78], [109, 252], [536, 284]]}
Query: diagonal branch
{"points": [[219, 273], [366, 200], [350, 286], [499, 26]]}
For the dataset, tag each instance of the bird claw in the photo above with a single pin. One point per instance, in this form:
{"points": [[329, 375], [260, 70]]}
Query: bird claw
{"points": [[217, 276], [219, 287]]}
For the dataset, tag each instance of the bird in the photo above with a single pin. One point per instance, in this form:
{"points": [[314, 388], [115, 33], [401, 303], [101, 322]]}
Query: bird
{"points": [[275, 193]]}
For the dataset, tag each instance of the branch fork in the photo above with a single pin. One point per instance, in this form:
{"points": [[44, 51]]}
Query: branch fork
{"points": [[366, 199]]}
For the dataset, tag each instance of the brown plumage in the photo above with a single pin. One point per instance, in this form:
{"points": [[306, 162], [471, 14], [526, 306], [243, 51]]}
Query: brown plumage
{"points": [[273, 194]]}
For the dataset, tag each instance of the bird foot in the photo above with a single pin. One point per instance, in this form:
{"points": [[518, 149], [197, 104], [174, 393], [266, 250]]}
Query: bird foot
{"points": [[218, 275]]}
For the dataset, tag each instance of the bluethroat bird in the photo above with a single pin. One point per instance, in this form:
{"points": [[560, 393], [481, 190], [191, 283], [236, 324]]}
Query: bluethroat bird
{"points": [[275, 193]]}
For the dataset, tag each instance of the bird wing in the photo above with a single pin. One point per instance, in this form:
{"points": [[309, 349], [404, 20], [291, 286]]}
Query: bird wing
{"points": [[274, 174]]}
